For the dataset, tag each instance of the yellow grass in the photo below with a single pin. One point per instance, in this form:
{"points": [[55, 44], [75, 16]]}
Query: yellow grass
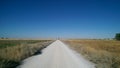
{"points": [[104, 53], [11, 56]]}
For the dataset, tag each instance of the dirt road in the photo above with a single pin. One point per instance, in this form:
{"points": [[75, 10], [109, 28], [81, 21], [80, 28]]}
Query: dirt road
{"points": [[56, 55]]}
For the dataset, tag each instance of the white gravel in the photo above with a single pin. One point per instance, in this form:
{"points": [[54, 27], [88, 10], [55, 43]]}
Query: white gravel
{"points": [[56, 55]]}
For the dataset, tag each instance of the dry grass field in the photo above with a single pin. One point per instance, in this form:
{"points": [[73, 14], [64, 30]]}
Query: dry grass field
{"points": [[104, 53], [12, 52]]}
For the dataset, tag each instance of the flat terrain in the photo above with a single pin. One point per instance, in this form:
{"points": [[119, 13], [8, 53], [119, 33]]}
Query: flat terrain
{"points": [[56, 55], [12, 52], [104, 53]]}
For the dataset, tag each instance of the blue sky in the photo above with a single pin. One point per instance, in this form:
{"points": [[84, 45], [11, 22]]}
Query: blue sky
{"points": [[59, 18]]}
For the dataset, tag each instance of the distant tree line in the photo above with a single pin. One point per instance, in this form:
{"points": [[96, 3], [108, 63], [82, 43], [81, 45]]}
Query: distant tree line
{"points": [[117, 36], [4, 38]]}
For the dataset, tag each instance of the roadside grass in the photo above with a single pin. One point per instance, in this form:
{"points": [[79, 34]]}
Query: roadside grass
{"points": [[12, 52], [7, 43], [104, 53]]}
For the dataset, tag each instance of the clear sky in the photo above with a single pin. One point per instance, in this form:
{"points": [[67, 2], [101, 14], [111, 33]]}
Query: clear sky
{"points": [[59, 18]]}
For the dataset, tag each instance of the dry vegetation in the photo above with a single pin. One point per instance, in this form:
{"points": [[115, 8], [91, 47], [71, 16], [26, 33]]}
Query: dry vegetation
{"points": [[104, 53], [12, 52]]}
